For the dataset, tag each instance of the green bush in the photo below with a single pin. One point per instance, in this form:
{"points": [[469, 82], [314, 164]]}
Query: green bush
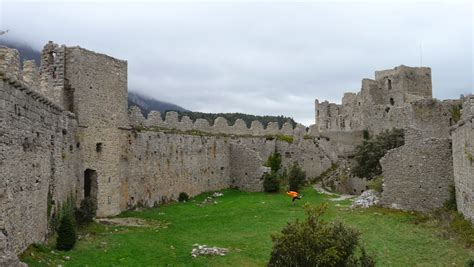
{"points": [[86, 212], [470, 263], [368, 154], [66, 234], [376, 183], [183, 197], [451, 204], [315, 242], [456, 112], [285, 138], [271, 182], [274, 162], [296, 177]]}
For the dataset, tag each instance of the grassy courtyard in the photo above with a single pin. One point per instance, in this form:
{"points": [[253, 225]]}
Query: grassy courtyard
{"points": [[244, 222]]}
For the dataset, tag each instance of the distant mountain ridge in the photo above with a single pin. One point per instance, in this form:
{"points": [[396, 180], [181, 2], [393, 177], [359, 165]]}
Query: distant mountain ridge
{"points": [[145, 103]]}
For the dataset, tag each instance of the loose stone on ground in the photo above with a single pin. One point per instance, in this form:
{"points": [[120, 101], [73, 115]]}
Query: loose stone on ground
{"points": [[199, 250]]}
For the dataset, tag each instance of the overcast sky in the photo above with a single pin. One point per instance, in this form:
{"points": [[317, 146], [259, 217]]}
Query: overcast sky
{"points": [[260, 58]]}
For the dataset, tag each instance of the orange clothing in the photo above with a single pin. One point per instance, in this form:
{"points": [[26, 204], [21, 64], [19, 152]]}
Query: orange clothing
{"points": [[292, 193]]}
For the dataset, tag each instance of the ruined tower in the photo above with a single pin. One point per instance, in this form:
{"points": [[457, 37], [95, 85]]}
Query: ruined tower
{"points": [[94, 87], [371, 108]]}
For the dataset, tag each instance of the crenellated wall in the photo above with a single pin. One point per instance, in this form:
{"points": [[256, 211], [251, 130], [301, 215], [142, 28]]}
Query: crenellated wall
{"points": [[38, 154], [219, 126], [65, 129]]}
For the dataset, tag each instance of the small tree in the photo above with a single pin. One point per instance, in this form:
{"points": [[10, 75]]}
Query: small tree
{"points": [[315, 242], [274, 162], [296, 177], [66, 234], [368, 154], [271, 182], [87, 211]]}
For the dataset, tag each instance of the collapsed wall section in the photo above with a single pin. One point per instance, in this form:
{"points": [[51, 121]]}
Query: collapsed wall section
{"points": [[39, 160], [417, 175], [246, 168], [463, 159]]}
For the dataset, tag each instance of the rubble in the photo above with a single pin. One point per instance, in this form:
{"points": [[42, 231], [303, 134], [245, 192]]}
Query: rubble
{"points": [[367, 199], [199, 250]]}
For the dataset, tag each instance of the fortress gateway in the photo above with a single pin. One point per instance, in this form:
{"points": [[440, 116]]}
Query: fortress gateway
{"points": [[66, 131]]}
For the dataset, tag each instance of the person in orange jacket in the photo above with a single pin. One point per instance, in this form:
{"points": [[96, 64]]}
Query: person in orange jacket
{"points": [[294, 196]]}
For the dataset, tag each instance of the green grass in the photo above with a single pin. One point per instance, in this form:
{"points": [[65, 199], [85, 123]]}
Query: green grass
{"points": [[244, 222]]}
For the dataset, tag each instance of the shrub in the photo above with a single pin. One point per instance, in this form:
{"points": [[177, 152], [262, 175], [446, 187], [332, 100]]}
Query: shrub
{"points": [[296, 177], [86, 212], [368, 154], [271, 182], [456, 112], [470, 263], [66, 234], [315, 242], [285, 138], [376, 184], [274, 162], [183, 197], [451, 204], [366, 134]]}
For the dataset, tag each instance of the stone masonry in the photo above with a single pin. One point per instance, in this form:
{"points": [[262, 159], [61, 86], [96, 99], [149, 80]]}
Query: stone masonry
{"points": [[397, 98], [463, 154], [417, 175], [65, 131]]}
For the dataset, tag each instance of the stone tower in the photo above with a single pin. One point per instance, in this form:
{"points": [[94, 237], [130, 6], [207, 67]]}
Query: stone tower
{"points": [[391, 89], [94, 87]]}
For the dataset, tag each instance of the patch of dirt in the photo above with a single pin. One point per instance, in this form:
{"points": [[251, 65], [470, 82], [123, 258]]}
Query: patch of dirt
{"points": [[132, 222], [320, 189]]}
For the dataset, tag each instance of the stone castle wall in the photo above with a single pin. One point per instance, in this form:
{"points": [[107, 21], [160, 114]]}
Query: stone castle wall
{"points": [[417, 175], [463, 159], [38, 154], [158, 163], [98, 87], [397, 98], [65, 129]]}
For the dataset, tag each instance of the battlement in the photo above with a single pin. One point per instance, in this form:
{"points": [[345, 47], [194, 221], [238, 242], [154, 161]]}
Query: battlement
{"points": [[23, 79], [220, 125]]}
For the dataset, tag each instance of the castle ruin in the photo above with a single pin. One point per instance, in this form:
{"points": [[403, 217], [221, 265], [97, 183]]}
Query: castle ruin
{"points": [[66, 130]]}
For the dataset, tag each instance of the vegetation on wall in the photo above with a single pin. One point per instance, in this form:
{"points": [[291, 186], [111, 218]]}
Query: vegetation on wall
{"points": [[450, 203], [315, 242], [285, 138], [271, 180], [456, 112], [376, 183], [274, 162], [368, 154]]}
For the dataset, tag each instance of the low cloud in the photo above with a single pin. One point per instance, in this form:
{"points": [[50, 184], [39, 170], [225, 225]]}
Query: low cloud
{"points": [[259, 58]]}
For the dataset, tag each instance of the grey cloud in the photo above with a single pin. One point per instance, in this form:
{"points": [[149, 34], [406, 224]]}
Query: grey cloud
{"points": [[261, 58]]}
